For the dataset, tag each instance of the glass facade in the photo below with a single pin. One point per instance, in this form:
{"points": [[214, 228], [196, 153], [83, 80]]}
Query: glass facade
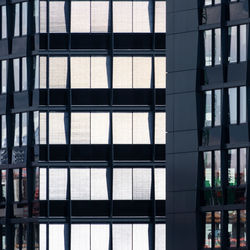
{"points": [[83, 125]]}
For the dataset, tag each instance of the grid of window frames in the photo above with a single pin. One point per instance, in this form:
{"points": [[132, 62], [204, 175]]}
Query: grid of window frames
{"points": [[212, 2]]}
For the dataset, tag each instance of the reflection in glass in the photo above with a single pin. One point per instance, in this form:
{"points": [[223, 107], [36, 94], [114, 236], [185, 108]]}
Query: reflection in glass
{"points": [[57, 184], [243, 164], [24, 18], [43, 17], [4, 76], [17, 131], [208, 230], [3, 185], [208, 47], [243, 42], [208, 168], [24, 128], [36, 15], [233, 44], [24, 184], [217, 229], [208, 109], [217, 107], [24, 73], [243, 229], [4, 132], [17, 232], [36, 126], [232, 105], [243, 105], [217, 59], [217, 169], [232, 228], [17, 20], [57, 18], [232, 167], [16, 183], [4, 23], [16, 66]]}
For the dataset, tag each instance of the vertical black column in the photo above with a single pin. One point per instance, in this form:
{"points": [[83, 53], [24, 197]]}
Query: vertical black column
{"points": [[182, 124]]}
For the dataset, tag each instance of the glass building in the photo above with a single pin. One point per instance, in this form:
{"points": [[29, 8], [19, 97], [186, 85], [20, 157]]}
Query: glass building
{"points": [[208, 124], [82, 125]]}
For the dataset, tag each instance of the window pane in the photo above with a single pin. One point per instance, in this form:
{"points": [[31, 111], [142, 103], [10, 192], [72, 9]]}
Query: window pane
{"points": [[36, 126], [16, 65], [142, 128], [24, 128], [24, 73], [16, 182], [160, 236], [217, 59], [99, 237], [3, 185], [24, 18], [208, 169], [57, 184], [142, 184], [122, 72], [140, 237], [160, 16], [142, 72], [4, 76], [57, 236], [243, 164], [232, 167], [100, 16], [160, 128], [4, 132], [58, 128], [233, 105], [217, 107], [24, 184], [232, 228], [43, 128], [17, 133], [122, 236], [217, 226], [243, 42], [43, 16], [122, 128], [4, 23], [208, 2], [80, 184], [122, 16], [233, 44], [17, 20], [208, 231], [122, 184], [99, 184], [43, 72], [80, 128], [57, 72], [142, 16], [208, 109], [100, 132], [42, 184], [42, 237], [160, 183], [80, 22], [57, 18], [217, 168], [160, 72], [36, 15], [243, 229], [80, 72], [100, 71], [80, 236], [208, 47], [243, 105]]}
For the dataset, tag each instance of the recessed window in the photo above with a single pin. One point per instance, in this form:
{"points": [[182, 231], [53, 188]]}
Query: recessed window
{"points": [[3, 77], [57, 17], [237, 36], [212, 2], [20, 184], [3, 22], [212, 45], [20, 74], [3, 185], [21, 19], [212, 108], [3, 131], [21, 129], [237, 105]]}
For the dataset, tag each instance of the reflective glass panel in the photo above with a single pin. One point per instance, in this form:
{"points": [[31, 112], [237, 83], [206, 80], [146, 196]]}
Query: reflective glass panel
{"points": [[243, 166], [3, 184], [4, 76], [16, 66], [243, 105], [232, 228], [232, 105], [208, 109], [57, 18], [24, 73], [217, 56], [57, 184], [217, 229], [208, 47], [17, 131], [233, 44], [4, 132], [17, 20], [24, 128], [16, 183], [243, 42], [4, 23], [243, 229], [217, 168], [217, 107], [232, 167], [208, 168], [24, 18]]}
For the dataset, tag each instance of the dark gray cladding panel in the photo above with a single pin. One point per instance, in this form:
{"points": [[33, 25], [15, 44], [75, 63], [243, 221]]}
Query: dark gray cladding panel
{"points": [[185, 21], [185, 111], [170, 143], [170, 112], [182, 81], [184, 201], [182, 51], [181, 5], [185, 141], [185, 171]]}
